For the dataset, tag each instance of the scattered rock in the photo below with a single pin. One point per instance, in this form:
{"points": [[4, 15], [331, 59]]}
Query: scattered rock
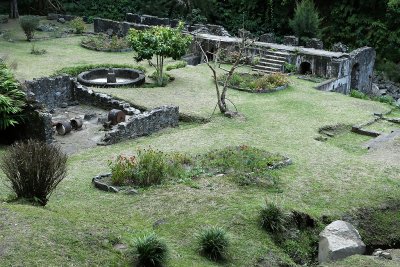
{"points": [[132, 192], [45, 28], [159, 222], [61, 20], [382, 254], [88, 117], [120, 247], [339, 240], [64, 105]]}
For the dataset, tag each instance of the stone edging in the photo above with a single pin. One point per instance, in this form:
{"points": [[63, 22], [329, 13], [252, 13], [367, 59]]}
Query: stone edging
{"points": [[281, 164], [106, 50]]}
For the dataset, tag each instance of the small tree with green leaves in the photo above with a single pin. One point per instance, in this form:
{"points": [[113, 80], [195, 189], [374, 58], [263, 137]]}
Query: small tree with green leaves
{"points": [[161, 43], [306, 20], [29, 25], [12, 98]]}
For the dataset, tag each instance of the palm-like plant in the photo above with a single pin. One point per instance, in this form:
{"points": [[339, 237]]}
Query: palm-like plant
{"points": [[12, 99]]}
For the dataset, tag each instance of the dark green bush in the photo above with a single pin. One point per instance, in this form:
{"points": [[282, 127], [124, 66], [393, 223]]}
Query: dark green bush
{"points": [[213, 243], [290, 68], [34, 169], [150, 251], [37, 52], [306, 20], [12, 98], [78, 25], [390, 69], [272, 218], [75, 70], [29, 25]]}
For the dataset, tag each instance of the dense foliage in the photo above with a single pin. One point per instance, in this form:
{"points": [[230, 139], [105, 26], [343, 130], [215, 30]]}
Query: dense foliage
{"points": [[29, 25], [150, 250], [305, 23], [12, 98], [34, 169], [213, 243]]}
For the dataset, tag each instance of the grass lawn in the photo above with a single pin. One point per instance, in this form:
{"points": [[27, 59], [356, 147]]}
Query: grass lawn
{"points": [[80, 224]]}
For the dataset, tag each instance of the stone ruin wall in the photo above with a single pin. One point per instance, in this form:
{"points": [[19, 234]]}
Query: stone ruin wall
{"points": [[61, 91]]}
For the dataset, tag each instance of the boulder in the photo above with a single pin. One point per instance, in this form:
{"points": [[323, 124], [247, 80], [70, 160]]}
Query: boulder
{"points": [[340, 47], [267, 38], [339, 240]]}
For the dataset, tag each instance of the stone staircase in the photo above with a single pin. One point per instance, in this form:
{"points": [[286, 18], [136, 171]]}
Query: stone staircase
{"points": [[271, 62]]}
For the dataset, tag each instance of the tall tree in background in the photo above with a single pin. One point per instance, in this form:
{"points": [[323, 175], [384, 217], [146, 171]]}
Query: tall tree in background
{"points": [[14, 9], [306, 20]]}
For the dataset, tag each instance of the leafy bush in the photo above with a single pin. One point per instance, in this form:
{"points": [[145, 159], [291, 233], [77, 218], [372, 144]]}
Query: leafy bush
{"points": [[122, 169], [290, 68], [37, 52], [357, 94], [196, 17], [178, 65], [29, 25], [272, 218], [213, 243], [255, 81], [78, 25], [165, 79], [75, 70], [306, 20], [34, 169], [270, 81], [150, 251], [383, 99], [105, 42], [12, 98], [150, 167]]}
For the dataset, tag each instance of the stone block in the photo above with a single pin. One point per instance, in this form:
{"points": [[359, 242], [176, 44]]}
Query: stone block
{"points": [[339, 240], [134, 18], [268, 38], [291, 40], [315, 43]]}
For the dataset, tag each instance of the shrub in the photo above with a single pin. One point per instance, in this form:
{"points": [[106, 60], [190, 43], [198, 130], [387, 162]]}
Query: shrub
{"points": [[213, 243], [29, 25], [121, 170], [272, 218], [196, 17], [165, 80], [34, 169], [270, 81], [290, 68], [150, 251], [37, 52], [78, 25], [178, 65], [390, 69], [150, 167], [306, 20], [12, 98]]}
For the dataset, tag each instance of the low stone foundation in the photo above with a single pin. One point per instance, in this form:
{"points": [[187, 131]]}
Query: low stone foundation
{"points": [[143, 124]]}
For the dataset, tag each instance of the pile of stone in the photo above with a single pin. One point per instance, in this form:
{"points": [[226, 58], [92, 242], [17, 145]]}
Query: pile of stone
{"points": [[386, 87]]}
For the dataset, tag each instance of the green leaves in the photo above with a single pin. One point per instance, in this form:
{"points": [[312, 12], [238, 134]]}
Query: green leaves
{"points": [[12, 99], [306, 20]]}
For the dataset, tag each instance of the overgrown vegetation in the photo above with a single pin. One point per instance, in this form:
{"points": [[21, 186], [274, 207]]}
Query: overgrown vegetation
{"points": [[36, 51], [104, 42], [78, 25], [213, 243], [161, 42], [34, 169], [244, 165], [150, 251], [255, 82], [29, 25], [273, 218], [383, 99], [75, 70], [12, 98]]}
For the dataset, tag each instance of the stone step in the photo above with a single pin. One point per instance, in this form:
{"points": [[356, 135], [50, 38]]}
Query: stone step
{"points": [[270, 64], [271, 60], [277, 53], [273, 69], [265, 71], [273, 57]]}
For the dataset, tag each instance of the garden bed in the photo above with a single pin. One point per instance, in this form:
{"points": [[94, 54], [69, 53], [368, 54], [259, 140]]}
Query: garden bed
{"points": [[105, 43], [256, 83], [243, 165]]}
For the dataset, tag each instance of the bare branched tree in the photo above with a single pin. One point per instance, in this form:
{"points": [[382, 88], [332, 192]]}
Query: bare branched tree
{"points": [[240, 57]]}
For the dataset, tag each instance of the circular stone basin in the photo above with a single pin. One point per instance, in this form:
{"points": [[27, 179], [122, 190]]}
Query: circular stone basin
{"points": [[111, 77]]}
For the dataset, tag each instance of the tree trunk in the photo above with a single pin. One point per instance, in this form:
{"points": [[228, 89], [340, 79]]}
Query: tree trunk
{"points": [[14, 9]]}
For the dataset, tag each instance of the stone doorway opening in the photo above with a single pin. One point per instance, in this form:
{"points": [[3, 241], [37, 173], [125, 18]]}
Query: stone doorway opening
{"points": [[305, 68]]}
